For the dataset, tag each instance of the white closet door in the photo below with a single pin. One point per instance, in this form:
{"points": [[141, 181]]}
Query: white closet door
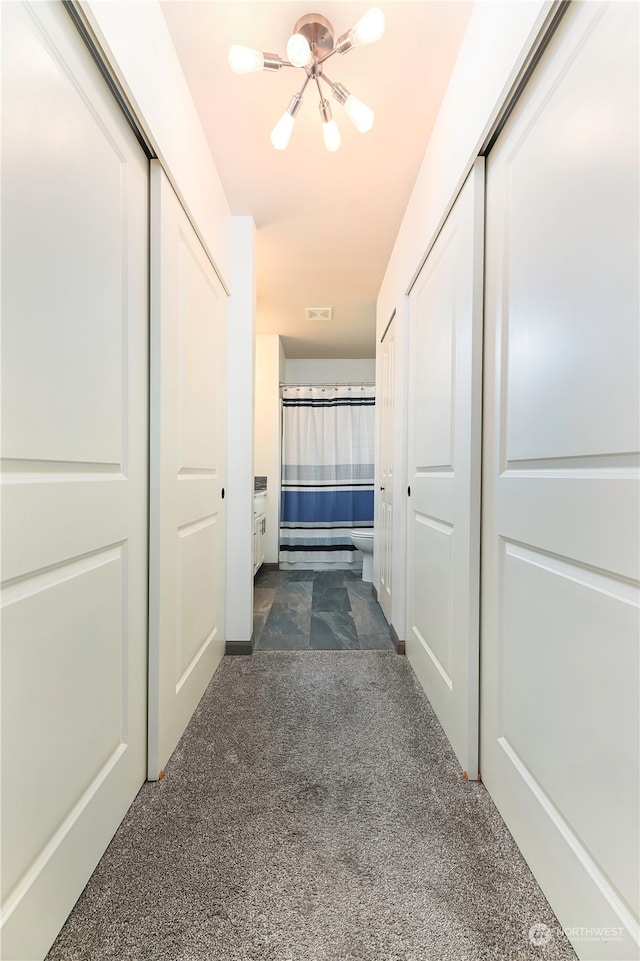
{"points": [[74, 471], [445, 380], [560, 627], [187, 532], [384, 534]]}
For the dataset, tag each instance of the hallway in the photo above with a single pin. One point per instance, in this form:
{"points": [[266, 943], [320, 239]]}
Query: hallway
{"points": [[313, 811]]}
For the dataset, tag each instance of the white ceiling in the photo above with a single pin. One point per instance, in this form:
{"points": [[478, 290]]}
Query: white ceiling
{"points": [[326, 222]]}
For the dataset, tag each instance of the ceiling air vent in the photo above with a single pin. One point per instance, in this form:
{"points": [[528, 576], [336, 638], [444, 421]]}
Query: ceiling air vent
{"points": [[319, 313]]}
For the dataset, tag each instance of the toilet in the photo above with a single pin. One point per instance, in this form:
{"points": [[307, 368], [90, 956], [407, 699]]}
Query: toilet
{"points": [[363, 540]]}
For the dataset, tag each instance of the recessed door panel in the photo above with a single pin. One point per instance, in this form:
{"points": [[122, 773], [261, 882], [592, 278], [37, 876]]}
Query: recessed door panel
{"points": [[432, 347], [64, 624], [70, 170], [432, 590], [199, 348], [197, 626], [556, 669]]}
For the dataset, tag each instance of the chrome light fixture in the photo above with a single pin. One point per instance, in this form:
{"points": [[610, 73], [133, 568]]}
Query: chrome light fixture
{"points": [[309, 47]]}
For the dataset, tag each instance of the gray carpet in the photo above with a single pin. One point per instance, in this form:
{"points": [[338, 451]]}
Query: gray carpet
{"points": [[313, 811]]}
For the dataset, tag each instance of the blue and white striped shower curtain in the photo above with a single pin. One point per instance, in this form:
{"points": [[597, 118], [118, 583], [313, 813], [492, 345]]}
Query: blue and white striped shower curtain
{"points": [[327, 471]]}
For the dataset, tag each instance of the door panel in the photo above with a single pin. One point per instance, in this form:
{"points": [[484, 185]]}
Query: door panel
{"points": [[385, 531], [74, 471], [445, 345], [187, 467], [560, 597]]}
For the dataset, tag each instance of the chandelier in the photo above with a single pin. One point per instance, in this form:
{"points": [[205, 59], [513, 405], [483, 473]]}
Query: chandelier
{"points": [[309, 47]]}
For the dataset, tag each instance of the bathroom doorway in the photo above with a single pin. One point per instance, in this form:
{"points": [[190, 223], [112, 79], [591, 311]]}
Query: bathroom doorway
{"points": [[315, 598]]}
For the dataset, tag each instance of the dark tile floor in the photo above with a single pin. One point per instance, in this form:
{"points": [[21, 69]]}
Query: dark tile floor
{"points": [[316, 611]]}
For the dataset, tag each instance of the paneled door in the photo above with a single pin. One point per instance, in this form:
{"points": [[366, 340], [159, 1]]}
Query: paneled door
{"points": [[560, 626], [74, 471], [187, 518], [386, 399], [445, 383]]}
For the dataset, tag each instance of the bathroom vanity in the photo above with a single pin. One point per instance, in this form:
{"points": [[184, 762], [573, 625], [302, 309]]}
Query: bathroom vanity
{"points": [[259, 521]]}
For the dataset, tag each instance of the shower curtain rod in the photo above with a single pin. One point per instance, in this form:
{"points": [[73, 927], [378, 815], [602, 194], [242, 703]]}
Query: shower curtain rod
{"points": [[332, 383]]}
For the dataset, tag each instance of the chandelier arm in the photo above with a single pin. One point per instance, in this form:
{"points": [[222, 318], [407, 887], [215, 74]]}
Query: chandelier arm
{"points": [[303, 87], [338, 90], [273, 62], [322, 60]]}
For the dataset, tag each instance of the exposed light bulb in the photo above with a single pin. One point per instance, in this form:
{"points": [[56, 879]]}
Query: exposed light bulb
{"points": [[298, 50], [331, 134], [369, 27], [281, 133], [244, 59], [360, 115]]}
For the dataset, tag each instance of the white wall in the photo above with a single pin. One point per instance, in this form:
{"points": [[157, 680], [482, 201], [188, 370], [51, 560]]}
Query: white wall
{"points": [[240, 417], [496, 44], [137, 43], [269, 369], [330, 371]]}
